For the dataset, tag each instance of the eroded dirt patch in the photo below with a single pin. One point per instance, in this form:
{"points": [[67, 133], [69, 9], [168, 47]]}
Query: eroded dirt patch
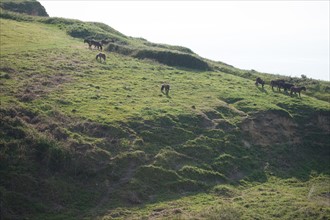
{"points": [[269, 128], [41, 85]]}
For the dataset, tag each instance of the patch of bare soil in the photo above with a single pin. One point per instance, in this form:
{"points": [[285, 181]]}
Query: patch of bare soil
{"points": [[214, 120], [269, 128], [323, 122], [110, 188], [40, 85]]}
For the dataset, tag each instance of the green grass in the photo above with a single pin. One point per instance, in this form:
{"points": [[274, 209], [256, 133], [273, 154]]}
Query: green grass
{"points": [[84, 139], [276, 199]]}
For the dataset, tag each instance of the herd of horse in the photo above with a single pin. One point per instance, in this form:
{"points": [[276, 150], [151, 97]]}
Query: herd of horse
{"points": [[97, 45], [165, 88], [281, 84]]}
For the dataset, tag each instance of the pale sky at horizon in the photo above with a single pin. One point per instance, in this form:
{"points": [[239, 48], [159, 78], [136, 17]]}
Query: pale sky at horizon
{"points": [[280, 37]]}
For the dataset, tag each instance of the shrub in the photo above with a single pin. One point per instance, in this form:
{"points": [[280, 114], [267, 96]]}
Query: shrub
{"points": [[124, 50], [79, 31], [174, 59], [170, 47]]}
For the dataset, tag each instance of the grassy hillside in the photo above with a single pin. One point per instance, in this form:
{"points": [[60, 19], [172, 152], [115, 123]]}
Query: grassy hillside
{"points": [[81, 139]]}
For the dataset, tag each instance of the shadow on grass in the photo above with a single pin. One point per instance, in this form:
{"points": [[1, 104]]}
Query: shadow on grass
{"points": [[167, 95], [262, 90]]}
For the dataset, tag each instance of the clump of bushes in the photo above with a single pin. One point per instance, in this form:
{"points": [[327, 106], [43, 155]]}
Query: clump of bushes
{"points": [[173, 59], [162, 56]]}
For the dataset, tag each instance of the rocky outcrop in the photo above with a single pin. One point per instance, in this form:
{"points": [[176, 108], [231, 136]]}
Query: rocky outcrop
{"points": [[30, 7]]}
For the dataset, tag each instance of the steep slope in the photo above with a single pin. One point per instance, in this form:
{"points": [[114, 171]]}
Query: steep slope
{"points": [[84, 139]]}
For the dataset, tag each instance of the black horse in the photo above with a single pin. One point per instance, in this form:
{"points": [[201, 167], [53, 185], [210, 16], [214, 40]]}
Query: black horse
{"points": [[260, 81], [101, 56], [95, 43], [285, 86], [165, 87], [88, 42], [277, 83], [295, 90]]}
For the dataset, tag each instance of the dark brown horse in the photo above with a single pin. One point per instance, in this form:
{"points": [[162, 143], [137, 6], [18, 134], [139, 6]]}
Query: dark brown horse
{"points": [[101, 56], [277, 83], [165, 87], [88, 42], [295, 89], [285, 86], [260, 81], [95, 43]]}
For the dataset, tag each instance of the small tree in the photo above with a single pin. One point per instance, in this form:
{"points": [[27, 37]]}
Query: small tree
{"points": [[303, 76]]}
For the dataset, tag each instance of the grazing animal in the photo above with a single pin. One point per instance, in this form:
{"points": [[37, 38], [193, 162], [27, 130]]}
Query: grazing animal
{"points": [[276, 83], [89, 42], [96, 44], [260, 81], [295, 89], [285, 86], [165, 87], [101, 56]]}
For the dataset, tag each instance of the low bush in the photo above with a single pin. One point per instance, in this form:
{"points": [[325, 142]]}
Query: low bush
{"points": [[174, 59]]}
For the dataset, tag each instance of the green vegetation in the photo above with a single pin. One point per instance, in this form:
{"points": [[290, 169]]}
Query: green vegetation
{"points": [[30, 7], [80, 139]]}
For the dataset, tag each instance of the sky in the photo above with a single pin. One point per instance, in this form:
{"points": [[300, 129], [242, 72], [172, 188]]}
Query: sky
{"points": [[279, 37]]}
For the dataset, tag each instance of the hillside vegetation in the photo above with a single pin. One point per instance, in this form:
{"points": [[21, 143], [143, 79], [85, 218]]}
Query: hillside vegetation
{"points": [[30, 7], [83, 139]]}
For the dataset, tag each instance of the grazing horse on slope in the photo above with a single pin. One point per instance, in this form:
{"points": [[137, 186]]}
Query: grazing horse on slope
{"points": [[296, 90], [260, 81], [89, 42], [94, 43], [276, 83], [165, 87], [285, 86], [101, 56]]}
